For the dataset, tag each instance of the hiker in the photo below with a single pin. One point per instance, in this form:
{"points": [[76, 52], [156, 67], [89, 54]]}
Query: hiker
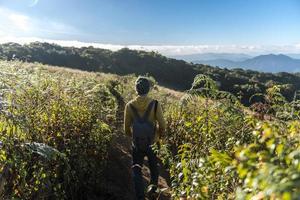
{"points": [[140, 122]]}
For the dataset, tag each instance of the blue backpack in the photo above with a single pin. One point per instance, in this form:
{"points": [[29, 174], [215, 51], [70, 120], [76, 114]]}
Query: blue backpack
{"points": [[143, 129]]}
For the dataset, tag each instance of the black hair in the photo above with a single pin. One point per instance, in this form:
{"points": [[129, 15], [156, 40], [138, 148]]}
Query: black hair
{"points": [[142, 85]]}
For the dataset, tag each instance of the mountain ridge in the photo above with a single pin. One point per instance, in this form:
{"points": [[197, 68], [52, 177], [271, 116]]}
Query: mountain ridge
{"points": [[213, 56], [263, 63]]}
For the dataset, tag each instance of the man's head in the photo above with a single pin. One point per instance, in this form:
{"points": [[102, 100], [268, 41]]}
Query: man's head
{"points": [[142, 85]]}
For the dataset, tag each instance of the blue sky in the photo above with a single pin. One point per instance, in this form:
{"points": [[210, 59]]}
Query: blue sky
{"points": [[214, 25]]}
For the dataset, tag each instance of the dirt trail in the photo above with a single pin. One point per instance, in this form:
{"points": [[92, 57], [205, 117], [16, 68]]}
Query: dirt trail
{"points": [[118, 175]]}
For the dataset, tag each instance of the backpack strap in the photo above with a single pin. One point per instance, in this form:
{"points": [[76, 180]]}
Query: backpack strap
{"points": [[146, 115], [135, 112], [155, 107]]}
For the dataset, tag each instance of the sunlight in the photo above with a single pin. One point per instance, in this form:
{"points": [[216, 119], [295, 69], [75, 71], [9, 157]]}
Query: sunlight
{"points": [[21, 22], [207, 91]]}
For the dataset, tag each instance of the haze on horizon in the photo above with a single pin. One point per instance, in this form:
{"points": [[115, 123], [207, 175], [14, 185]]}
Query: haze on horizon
{"points": [[171, 27]]}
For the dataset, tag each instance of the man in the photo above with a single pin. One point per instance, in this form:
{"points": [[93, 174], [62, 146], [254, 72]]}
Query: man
{"points": [[140, 122]]}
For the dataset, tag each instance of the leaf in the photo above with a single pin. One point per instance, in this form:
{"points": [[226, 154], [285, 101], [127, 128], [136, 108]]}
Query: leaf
{"points": [[44, 150], [279, 149], [286, 196]]}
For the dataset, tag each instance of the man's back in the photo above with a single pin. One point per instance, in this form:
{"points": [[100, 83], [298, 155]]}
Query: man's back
{"points": [[141, 103]]}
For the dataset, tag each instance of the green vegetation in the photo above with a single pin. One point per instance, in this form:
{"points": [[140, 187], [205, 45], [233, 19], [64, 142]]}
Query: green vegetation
{"points": [[221, 151], [171, 73], [56, 125]]}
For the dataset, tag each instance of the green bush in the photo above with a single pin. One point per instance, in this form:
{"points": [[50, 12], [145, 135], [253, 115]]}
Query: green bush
{"points": [[269, 168], [197, 133], [73, 113], [217, 149]]}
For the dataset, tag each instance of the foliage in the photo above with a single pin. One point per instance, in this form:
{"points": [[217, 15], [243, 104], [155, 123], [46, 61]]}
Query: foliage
{"points": [[214, 146], [44, 114], [198, 141], [205, 87], [269, 168], [275, 104], [56, 125]]}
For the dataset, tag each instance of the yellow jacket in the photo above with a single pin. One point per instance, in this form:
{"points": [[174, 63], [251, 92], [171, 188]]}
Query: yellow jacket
{"points": [[141, 103]]}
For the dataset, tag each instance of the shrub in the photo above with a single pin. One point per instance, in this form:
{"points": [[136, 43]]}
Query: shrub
{"points": [[72, 113]]}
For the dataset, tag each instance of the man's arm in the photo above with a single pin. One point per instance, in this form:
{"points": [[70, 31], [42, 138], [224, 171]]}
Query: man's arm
{"points": [[161, 120], [127, 121]]}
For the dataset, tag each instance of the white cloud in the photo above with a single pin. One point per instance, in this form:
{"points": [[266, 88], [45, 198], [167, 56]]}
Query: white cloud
{"points": [[19, 25], [21, 22], [11, 22], [167, 49]]}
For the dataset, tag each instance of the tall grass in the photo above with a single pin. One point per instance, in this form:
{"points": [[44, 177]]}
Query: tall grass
{"points": [[55, 127]]}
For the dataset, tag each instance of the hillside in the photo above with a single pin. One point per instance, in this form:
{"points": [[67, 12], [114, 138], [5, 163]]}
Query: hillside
{"points": [[172, 73], [61, 138], [121, 62]]}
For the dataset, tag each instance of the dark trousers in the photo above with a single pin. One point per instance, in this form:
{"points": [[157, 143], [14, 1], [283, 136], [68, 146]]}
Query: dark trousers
{"points": [[138, 160]]}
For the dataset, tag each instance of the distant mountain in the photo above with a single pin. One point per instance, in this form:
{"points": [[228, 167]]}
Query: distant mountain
{"points": [[273, 63], [213, 56], [294, 55], [265, 63], [218, 62]]}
